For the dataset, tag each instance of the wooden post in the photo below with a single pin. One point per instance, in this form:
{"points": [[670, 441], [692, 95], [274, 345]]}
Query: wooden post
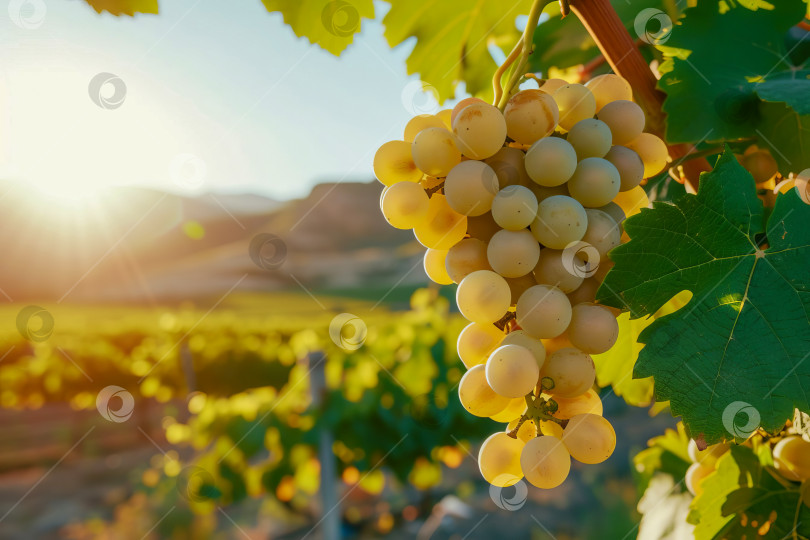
{"points": [[330, 521]]}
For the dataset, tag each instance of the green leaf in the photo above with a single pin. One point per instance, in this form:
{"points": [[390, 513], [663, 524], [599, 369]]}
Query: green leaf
{"points": [[786, 134], [667, 453], [452, 38], [742, 498], [734, 357], [124, 7], [330, 24]]}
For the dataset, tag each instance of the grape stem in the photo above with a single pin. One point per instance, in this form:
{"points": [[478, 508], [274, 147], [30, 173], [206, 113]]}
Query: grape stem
{"points": [[503, 321], [434, 189], [538, 409]]}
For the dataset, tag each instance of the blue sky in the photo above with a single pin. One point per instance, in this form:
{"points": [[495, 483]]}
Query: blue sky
{"points": [[219, 96]]}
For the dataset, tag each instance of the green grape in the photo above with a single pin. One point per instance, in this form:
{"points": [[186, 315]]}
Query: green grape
{"points": [[442, 227], [585, 292], [587, 403], [590, 138], [593, 328], [434, 151], [533, 345], [483, 296], [802, 185], [560, 221], [514, 208], [393, 163], [551, 161], [480, 129], [499, 460], [512, 371], [629, 165], [542, 193], [418, 123], [602, 233], [575, 103], [476, 396], [609, 87], [625, 120], [615, 212], [571, 370], [482, 227], [543, 312], [653, 152], [589, 438], [545, 462], [519, 285], [434, 266], [470, 188], [404, 205], [476, 342], [469, 255], [508, 164], [595, 182], [513, 253], [530, 115], [553, 268]]}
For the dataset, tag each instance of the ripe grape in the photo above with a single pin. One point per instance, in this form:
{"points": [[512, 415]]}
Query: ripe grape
{"points": [[589, 438], [393, 163], [434, 151], [614, 211], [571, 370], [625, 120], [445, 115], [534, 345], [461, 104], [791, 457], [587, 403], [514, 208], [695, 475], [602, 269], [480, 129], [590, 138], [631, 202], [476, 342], [653, 152], [442, 227], [551, 161], [430, 182], [512, 371], [483, 296], [519, 285], [404, 205], [434, 266], [530, 115], [552, 428], [609, 87], [553, 269], [593, 328], [476, 396], [560, 221], [482, 227], [543, 312], [595, 182], [709, 456], [575, 103], [513, 253], [760, 164], [585, 292], [516, 407], [629, 165], [542, 192], [423, 121], [545, 462], [499, 459], [602, 233], [802, 187], [527, 430], [470, 188], [467, 256], [508, 164], [552, 85], [553, 345]]}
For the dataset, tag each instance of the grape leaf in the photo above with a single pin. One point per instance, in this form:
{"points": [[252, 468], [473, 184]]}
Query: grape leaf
{"points": [[737, 353], [742, 499], [330, 24], [452, 38], [124, 7], [667, 453]]}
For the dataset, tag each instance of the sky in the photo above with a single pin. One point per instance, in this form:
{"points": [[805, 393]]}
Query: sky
{"points": [[208, 95]]}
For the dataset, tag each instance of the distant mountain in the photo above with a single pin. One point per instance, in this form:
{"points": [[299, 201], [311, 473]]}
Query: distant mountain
{"points": [[143, 246]]}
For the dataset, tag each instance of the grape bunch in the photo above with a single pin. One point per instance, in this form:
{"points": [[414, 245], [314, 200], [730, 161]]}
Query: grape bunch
{"points": [[520, 208]]}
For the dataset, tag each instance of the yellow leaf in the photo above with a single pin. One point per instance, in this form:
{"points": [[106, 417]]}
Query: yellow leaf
{"points": [[124, 7]]}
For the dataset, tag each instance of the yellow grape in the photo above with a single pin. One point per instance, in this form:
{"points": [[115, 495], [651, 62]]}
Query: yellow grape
{"points": [[520, 285], [476, 396], [512, 371], [589, 438], [483, 296], [543, 312], [631, 202], [445, 116], [434, 151], [467, 256], [585, 292], [587, 403], [514, 208], [609, 87], [615, 212], [629, 165], [554, 269], [695, 475], [534, 345], [405, 205], [480, 129], [470, 188], [482, 227], [595, 182], [575, 103], [593, 328], [430, 182], [710, 455], [802, 185], [545, 462], [499, 460], [542, 192], [434, 266], [513, 253], [653, 152], [476, 342], [442, 227], [530, 115], [516, 407], [590, 138], [551, 161], [603, 233], [551, 85], [508, 164], [553, 345], [527, 430], [418, 123], [625, 120], [560, 221], [461, 105], [393, 163], [791, 456], [551, 428], [571, 370]]}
